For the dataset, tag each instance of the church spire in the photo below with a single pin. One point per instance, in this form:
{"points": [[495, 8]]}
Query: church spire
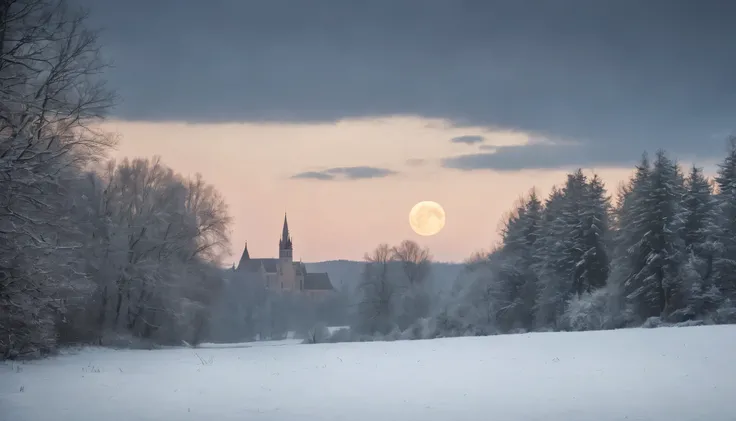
{"points": [[285, 230], [245, 257], [285, 246]]}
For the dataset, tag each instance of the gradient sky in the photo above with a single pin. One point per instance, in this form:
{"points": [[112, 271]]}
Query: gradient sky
{"points": [[344, 114]]}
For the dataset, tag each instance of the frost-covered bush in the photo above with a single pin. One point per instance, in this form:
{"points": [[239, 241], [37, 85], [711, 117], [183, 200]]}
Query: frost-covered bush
{"points": [[726, 313], [341, 335], [421, 329], [447, 324], [394, 335], [653, 322], [589, 311], [690, 323], [318, 334]]}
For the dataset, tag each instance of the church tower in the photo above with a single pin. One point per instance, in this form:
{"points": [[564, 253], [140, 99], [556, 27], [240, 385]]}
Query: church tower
{"points": [[286, 251]]}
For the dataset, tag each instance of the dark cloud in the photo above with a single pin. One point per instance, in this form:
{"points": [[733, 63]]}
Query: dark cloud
{"points": [[637, 74], [345, 173], [313, 175], [542, 156], [468, 139]]}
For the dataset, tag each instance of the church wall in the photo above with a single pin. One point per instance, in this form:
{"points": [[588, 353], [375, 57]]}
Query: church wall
{"points": [[273, 281], [288, 275]]}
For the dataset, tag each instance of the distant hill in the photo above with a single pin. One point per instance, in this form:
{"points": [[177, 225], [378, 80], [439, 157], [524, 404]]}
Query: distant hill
{"points": [[340, 271], [346, 273]]}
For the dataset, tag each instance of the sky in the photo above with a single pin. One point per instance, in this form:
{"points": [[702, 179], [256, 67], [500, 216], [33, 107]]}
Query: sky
{"points": [[344, 114]]}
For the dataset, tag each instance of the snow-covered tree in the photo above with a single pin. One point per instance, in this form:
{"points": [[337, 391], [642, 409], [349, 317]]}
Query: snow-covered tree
{"points": [[725, 261], [516, 275], [550, 267], [572, 249], [51, 94], [593, 267], [649, 245], [702, 245], [156, 238]]}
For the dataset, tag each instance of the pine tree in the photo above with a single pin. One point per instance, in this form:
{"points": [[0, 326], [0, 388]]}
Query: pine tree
{"points": [[549, 267], [698, 211], [699, 233], [593, 266], [562, 249], [575, 194], [651, 247], [625, 215], [517, 277], [573, 252], [725, 262]]}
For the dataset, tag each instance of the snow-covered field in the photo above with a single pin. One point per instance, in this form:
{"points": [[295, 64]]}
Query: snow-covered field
{"points": [[660, 374]]}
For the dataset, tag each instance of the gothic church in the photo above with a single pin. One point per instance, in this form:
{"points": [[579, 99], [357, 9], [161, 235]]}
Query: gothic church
{"points": [[283, 273]]}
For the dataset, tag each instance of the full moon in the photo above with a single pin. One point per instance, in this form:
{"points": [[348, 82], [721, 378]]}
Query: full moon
{"points": [[427, 218]]}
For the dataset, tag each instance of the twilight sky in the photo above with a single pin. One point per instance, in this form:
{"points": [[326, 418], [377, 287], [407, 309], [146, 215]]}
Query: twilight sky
{"points": [[346, 113]]}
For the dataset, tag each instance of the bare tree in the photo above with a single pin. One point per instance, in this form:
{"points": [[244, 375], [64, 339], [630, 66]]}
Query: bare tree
{"points": [[414, 299], [51, 94], [378, 291], [416, 261], [158, 239], [210, 220]]}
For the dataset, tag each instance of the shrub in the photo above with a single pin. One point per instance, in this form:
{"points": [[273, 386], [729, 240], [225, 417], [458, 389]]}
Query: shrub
{"points": [[318, 334], [589, 311]]}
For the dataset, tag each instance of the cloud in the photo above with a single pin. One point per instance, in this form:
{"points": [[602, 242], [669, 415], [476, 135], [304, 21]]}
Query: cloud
{"points": [[468, 139], [345, 173], [666, 80], [540, 155], [313, 175]]}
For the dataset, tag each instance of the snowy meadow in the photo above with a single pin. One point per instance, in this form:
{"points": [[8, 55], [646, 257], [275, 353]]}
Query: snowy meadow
{"points": [[635, 374], [104, 256]]}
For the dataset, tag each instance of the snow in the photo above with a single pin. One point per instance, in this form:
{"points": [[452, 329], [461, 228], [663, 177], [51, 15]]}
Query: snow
{"points": [[636, 374]]}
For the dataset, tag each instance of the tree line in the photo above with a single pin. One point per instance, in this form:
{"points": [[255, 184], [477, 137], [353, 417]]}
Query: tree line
{"points": [[664, 252], [90, 250]]}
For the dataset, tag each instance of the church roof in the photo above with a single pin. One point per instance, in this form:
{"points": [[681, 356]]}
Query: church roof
{"points": [[254, 265], [317, 281], [245, 257]]}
